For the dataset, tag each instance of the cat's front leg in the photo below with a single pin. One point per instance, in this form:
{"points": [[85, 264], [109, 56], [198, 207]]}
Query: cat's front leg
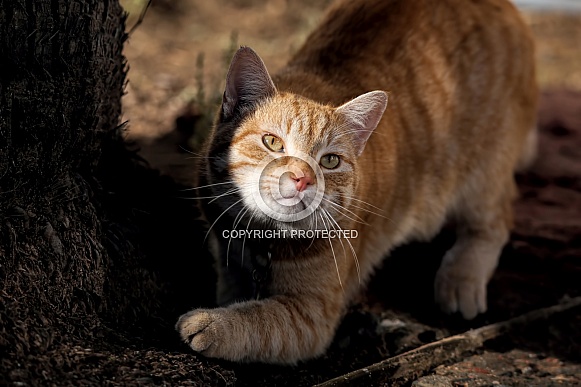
{"points": [[296, 323]]}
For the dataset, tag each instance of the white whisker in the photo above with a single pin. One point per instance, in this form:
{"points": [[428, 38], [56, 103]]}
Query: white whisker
{"points": [[352, 251], [209, 185], [206, 197], [218, 218], [244, 240], [236, 223], [316, 225], [200, 155], [367, 210], [237, 220], [215, 197], [343, 208], [227, 193], [335, 227], [333, 251], [360, 201]]}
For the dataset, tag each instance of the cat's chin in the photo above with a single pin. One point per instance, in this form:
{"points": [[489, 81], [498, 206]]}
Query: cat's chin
{"points": [[285, 209], [268, 222]]}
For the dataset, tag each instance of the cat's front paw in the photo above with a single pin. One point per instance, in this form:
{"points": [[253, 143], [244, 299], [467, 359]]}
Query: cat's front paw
{"points": [[203, 330], [457, 291]]}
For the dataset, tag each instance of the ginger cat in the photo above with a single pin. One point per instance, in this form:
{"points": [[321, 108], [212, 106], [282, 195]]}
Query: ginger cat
{"points": [[317, 147]]}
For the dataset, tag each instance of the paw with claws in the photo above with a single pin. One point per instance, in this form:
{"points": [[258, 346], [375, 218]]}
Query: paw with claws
{"points": [[204, 330]]}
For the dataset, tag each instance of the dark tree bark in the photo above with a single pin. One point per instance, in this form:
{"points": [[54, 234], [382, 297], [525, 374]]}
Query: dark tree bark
{"points": [[93, 244], [62, 73]]}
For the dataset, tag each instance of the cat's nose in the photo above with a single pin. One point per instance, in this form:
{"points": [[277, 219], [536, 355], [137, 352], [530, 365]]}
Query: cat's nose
{"points": [[302, 182]]}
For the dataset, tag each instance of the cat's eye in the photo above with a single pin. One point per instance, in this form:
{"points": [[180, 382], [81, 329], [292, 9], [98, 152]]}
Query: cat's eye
{"points": [[273, 143], [330, 161]]}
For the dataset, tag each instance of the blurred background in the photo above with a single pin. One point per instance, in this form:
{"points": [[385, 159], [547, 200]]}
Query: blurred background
{"points": [[179, 55]]}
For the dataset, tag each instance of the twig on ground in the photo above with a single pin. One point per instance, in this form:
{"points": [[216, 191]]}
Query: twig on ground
{"points": [[415, 363]]}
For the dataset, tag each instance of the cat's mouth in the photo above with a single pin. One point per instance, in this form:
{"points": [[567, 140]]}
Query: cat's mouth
{"points": [[288, 207], [290, 203], [290, 198]]}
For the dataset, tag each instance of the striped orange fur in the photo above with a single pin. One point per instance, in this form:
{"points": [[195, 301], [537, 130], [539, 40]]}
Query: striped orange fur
{"points": [[460, 120]]}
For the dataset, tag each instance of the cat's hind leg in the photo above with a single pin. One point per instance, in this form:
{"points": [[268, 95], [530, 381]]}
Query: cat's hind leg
{"points": [[484, 222]]}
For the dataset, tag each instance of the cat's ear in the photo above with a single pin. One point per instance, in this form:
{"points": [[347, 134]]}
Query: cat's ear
{"points": [[363, 114], [247, 83]]}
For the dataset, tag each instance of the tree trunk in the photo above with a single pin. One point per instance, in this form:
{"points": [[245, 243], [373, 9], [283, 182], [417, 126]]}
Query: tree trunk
{"points": [[87, 232], [62, 73]]}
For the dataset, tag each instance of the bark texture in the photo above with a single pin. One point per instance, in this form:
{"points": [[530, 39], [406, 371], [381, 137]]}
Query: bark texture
{"points": [[62, 74]]}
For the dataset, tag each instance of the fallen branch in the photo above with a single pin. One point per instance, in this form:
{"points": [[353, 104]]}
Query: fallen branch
{"points": [[415, 363]]}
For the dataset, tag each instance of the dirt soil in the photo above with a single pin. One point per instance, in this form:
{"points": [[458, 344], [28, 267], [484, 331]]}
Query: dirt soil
{"points": [[178, 58]]}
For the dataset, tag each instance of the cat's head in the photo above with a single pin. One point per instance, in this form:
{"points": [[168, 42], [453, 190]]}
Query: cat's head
{"points": [[293, 161]]}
